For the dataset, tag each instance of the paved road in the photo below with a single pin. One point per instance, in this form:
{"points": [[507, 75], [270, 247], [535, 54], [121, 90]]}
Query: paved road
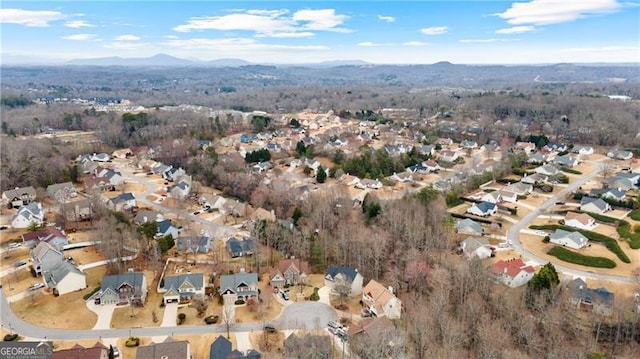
{"points": [[514, 231], [304, 314]]}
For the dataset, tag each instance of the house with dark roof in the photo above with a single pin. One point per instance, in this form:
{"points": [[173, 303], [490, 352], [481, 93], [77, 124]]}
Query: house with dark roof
{"points": [[220, 348], [308, 346], [198, 244], [97, 351], [166, 228], [44, 257], [483, 209], [610, 193], [182, 287], [599, 300], [64, 278], [126, 288], [240, 247], [344, 275], [51, 235], [18, 197], [243, 285], [27, 215], [290, 271], [123, 201], [172, 174], [594, 205], [169, 349]]}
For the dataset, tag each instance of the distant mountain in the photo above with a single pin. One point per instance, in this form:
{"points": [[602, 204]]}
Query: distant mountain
{"points": [[156, 60], [227, 62]]}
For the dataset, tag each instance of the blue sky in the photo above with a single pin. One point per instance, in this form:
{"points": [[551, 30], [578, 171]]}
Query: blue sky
{"points": [[396, 32]]}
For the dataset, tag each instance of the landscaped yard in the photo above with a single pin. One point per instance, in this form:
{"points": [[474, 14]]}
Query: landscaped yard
{"points": [[142, 316]]}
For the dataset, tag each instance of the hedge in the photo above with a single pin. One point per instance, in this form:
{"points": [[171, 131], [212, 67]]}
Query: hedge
{"points": [[624, 230], [132, 342], [88, 295], [609, 242], [10, 337], [577, 258], [635, 215], [570, 170]]}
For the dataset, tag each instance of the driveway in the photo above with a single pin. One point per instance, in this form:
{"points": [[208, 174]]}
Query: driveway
{"points": [[170, 315], [242, 341], [305, 315], [325, 295], [104, 312]]}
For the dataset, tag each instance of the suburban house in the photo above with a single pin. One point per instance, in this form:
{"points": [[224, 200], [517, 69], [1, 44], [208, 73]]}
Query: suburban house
{"points": [[172, 174], [97, 351], [579, 220], [64, 278], [18, 197], [379, 301], [564, 238], [27, 215], [634, 178], [220, 348], [100, 157], [476, 247], [492, 197], [611, 193], [507, 196], [169, 349], [427, 150], [620, 154], [114, 177], [583, 150], [81, 210], [145, 216], [261, 214], [199, 244], [240, 247], [243, 285], [61, 192], [431, 165], [371, 326], [211, 200], [290, 271], [599, 300], [468, 226], [535, 179], [182, 287], [565, 161], [44, 257], [483, 209], [126, 288], [368, 183], [97, 183], [51, 235], [402, 177], [527, 147], [122, 202], [537, 158], [594, 205], [308, 346], [182, 189], [547, 170], [469, 144], [512, 272], [122, 153], [621, 183], [448, 156], [166, 228], [344, 275], [519, 188]]}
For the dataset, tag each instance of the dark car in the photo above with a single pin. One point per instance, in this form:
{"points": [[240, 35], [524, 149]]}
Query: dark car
{"points": [[269, 328]]}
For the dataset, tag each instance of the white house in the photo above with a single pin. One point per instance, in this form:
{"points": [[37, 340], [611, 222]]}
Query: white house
{"points": [[508, 196], [519, 188], [368, 183], [344, 275], [512, 272], [547, 170], [583, 150], [564, 238], [402, 177], [468, 226], [483, 209], [620, 154], [380, 301], [182, 287], [122, 202], [476, 247], [32, 213], [579, 220], [595, 205], [431, 165], [448, 156], [492, 197], [65, 278]]}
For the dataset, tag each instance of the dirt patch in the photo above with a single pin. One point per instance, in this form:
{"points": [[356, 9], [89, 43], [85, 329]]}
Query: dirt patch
{"points": [[84, 255], [270, 345]]}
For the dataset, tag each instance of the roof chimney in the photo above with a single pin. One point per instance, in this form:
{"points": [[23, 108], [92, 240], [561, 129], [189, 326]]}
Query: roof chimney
{"points": [[390, 289]]}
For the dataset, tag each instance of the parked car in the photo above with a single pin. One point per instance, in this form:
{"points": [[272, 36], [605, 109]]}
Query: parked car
{"points": [[269, 328], [2, 228], [19, 263], [36, 286], [285, 296], [196, 213], [14, 244], [116, 351]]}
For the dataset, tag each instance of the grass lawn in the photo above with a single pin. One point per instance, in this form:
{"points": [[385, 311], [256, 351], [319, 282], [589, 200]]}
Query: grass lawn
{"points": [[577, 258], [142, 316], [66, 312]]}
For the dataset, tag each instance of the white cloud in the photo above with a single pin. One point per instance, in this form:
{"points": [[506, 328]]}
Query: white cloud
{"points": [[80, 37], [31, 18], [386, 18], [415, 43], [545, 12], [269, 23], [76, 24], [435, 30], [127, 38], [515, 30], [487, 40], [238, 45], [374, 44]]}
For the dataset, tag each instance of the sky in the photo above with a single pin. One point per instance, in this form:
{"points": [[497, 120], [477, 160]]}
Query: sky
{"points": [[293, 32]]}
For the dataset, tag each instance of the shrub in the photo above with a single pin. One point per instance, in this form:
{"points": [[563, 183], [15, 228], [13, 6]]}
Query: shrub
{"points": [[577, 258], [10, 337], [88, 295], [181, 318], [212, 319], [132, 342], [546, 239], [315, 296], [239, 302], [635, 215], [570, 170]]}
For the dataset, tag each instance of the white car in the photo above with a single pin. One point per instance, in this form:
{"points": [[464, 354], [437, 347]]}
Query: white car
{"points": [[36, 286], [14, 245]]}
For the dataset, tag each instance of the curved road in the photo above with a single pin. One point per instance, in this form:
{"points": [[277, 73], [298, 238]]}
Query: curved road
{"points": [[302, 315], [513, 234]]}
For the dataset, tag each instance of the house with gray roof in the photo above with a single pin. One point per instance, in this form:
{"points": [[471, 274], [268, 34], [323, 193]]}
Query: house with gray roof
{"points": [[476, 247], [18, 197], [198, 244], [123, 201], [483, 209], [220, 348], [125, 288], [240, 247], [344, 275], [537, 158], [182, 287], [81, 210], [52, 235], [145, 216], [599, 300], [166, 228], [64, 278], [575, 240], [594, 205], [27, 215], [620, 154], [535, 179], [469, 226], [519, 188], [547, 170], [172, 174], [611, 193], [44, 257], [61, 192], [169, 349], [566, 161], [243, 285]]}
